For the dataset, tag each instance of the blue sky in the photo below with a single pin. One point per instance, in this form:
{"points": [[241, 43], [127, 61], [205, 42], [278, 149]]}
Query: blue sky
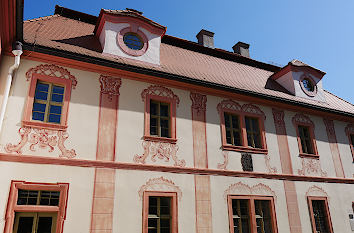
{"points": [[317, 32]]}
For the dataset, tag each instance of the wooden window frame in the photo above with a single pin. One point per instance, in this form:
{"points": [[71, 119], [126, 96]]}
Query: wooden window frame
{"points": [[312, 218], [27, 119], [172, 108], [12, 206], [244, 148], [349, 130], [174, 216], [312, 138], [252, 211]]}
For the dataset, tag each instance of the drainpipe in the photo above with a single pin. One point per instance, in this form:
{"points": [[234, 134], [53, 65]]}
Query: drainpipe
{"points": [[17, 51]]}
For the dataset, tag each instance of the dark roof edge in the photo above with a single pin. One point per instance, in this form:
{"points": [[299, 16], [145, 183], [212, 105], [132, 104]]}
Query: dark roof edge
{"points": [[77, 15], [175, 41], [131, 68]]}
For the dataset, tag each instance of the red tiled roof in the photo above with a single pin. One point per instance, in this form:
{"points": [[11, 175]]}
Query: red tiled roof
{"points": [[75, 36]]}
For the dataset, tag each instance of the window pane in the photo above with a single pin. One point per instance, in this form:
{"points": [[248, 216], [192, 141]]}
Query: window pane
{"points": [[57, 98], [25, 225], [152, 223], [38, 116], [44, 225], [164, 110], [41, 95], [240, 215], [228, 137], [53, 118], [237, 138], [153, 108], [227, 120], [319, 213], [305, 139], [42, 87], [55, 109], [27, 197], [37, 107], [235, 122], [58, 89]]}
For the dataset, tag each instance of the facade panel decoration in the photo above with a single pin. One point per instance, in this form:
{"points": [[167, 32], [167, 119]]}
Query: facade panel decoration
{"points": [[241, 188], [160, 184]]}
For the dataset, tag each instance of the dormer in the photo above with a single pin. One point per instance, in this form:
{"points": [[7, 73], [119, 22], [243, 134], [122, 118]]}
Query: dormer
{"points": [[127, 33], [301, 80]]}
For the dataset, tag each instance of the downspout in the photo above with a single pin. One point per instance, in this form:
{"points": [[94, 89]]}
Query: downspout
{"points": [[17, 51]]}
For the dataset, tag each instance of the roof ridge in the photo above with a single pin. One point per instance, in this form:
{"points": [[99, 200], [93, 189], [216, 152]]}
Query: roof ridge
{"points": [[339, 97], [41, 18]]}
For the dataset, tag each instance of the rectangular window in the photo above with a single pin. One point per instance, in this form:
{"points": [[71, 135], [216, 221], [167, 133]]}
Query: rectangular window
{"points": [[305, 139], [35, 223], [36, 207], [253, 132], [251, 214], [159, 212], [319, 214], [160, 119], [48, 102], [232, 129]]}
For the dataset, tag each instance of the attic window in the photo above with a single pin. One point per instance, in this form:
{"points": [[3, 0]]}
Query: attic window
{"points": [[308, 85], [133, 41]]}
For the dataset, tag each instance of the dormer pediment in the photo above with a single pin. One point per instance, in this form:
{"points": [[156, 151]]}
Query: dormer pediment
{"points": [[301, 80], [126, 33]]}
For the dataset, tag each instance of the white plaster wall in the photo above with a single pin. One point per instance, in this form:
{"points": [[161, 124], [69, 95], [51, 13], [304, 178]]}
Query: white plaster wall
{"points": [[340, 198], [130, 130], [108, 39], [128, 206], [344, 148], [215, 153], [320, 96], [80, 190], [220, 218], [82, 117]]}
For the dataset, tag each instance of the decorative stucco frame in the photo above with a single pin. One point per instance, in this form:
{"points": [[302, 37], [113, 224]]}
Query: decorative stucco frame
{"points": [[247, 110], [12, 206]]}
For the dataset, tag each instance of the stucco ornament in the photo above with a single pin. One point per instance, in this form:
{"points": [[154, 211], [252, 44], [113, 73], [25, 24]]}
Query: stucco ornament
{"points": [[198, 102], [229, 105], [223, 165], [300, 118], [160, 184], [159, 150], [311, 167], [43, 138], [316, 191], [244, 189], [268, 165], [157, 90], [110, 86], [52, 71], [278, 116]]}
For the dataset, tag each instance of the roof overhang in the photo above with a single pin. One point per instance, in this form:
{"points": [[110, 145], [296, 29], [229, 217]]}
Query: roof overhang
{"points": [[9, 10], [126, 16]]}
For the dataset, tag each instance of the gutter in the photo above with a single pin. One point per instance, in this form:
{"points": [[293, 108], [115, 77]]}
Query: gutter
{"points": [[17, 51], [160, 74]]}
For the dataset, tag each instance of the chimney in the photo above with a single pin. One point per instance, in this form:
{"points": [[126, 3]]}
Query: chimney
{"points": [[242, 49], [206, 38]]}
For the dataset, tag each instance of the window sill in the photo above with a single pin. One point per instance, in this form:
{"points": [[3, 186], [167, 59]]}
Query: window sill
{"points": [[43, 125], [245, 149], [160, 139], [304, 155]]}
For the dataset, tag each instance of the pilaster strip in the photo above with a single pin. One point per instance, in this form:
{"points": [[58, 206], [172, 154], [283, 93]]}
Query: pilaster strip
{"points": [[202, 183], [332, 140], [286, 165], [103, 194]]}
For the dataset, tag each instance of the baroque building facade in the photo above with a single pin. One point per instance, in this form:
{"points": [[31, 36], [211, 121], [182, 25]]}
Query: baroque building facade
{"points": [[112, 124]]}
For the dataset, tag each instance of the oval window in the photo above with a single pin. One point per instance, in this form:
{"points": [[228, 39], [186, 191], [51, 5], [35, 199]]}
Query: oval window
{"points": [[308, 85], [133, 41]]}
